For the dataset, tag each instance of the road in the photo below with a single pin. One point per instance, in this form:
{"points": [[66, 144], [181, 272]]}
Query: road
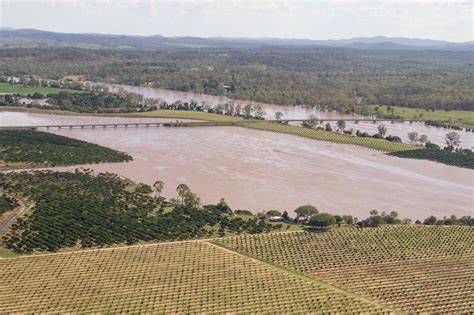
{"points": [[18, 212]]}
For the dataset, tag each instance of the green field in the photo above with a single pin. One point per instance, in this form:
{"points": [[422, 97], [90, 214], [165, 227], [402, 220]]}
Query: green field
{"points": [[459, 118], [8, 88], [426, 269], [6, 253]]}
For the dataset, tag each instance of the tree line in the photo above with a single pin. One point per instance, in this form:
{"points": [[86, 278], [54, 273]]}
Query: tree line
{"points": [[311, 216]]}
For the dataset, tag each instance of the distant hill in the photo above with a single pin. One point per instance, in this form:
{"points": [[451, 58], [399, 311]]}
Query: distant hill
{"points": [[36, 38]]}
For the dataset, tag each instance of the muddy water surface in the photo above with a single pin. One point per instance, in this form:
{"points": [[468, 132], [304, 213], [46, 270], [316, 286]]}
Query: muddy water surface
{"points": [[436, 135], [258, 170]]}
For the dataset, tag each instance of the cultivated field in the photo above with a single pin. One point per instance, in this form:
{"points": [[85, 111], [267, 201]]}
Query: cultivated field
{"points": [[183, 277], [371, 143], [411, 268]]}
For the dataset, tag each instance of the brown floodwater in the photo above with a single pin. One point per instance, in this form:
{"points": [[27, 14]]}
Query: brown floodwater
{"points": [[258, 170], [436, 135]]}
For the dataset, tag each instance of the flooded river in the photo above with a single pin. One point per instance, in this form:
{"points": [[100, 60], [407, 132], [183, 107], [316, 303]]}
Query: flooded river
{"points": [[258, 170], [436, 135]]}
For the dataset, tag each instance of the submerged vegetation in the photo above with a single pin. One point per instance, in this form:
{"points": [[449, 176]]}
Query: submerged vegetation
{"points": [[42, 148]]}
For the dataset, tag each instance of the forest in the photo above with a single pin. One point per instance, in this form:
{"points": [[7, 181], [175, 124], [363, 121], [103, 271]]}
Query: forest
{"points": [[344, 79], [43, 148], [103, 210]]}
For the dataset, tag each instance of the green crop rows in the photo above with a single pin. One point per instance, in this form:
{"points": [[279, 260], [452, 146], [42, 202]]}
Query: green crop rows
{"points": [[186, 277], [411, 268], [27, 146], [371, 143]]}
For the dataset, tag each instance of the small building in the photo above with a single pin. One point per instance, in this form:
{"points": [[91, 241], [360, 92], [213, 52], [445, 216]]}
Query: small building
{"points": [[275, 219]]}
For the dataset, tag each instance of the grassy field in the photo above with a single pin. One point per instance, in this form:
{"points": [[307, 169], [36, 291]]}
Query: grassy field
{"points": [[425, 269], [20, 89], [174, 278], [6, 253], [459, 118], [371, 143]]}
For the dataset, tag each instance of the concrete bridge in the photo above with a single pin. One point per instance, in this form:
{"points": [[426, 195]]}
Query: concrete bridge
{"points": [[190, 123]]}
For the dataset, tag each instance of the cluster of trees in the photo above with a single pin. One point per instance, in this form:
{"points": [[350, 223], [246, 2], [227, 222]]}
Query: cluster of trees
{"points": [[310, 215], [36, 147], [100, 101], [382, 131], [377, 219], [437, 123], [452, 220], [7, 204], [331, 78], [79, 209]]}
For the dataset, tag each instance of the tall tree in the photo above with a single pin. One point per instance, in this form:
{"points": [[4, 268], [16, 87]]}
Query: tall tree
{"points": [[382, 130], [452, 139], [305, 212], [158, 187], [413, 136], [341, 125]]}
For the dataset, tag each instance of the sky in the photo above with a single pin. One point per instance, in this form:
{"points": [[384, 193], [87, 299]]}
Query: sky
{"points": [[310, 19]]}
